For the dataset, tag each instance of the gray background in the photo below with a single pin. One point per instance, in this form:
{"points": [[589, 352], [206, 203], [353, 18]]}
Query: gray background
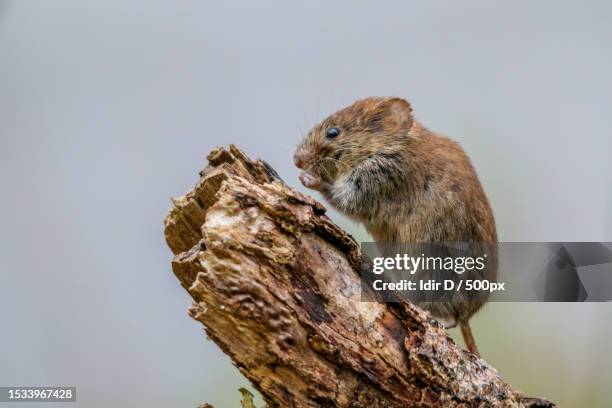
{"points": [[108, 108]]}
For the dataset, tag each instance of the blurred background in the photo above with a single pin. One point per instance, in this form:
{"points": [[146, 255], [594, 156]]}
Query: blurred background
{"points": [[108, 108]]}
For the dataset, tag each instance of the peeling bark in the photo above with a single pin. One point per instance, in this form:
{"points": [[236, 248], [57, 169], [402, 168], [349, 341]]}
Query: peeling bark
{"points": [[276, 285]]}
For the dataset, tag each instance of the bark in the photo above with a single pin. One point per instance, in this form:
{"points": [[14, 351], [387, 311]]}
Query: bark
{"points": [[276, 285]]}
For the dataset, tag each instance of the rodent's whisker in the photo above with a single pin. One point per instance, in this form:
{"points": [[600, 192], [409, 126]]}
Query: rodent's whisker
{"points": [[301, 131], [332, 159]]}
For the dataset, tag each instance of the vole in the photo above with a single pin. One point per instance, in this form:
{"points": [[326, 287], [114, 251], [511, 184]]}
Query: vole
{"points": [[376, 164]]}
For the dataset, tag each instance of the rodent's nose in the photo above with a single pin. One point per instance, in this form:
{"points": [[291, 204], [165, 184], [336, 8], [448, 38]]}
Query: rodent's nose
{"points": [[298, 159]]}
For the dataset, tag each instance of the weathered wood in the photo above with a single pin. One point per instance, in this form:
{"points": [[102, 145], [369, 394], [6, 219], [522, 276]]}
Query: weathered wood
{"points": [[276, 285]]}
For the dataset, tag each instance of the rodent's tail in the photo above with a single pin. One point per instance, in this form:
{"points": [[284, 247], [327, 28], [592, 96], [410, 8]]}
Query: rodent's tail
{"points": [[468, 338]]}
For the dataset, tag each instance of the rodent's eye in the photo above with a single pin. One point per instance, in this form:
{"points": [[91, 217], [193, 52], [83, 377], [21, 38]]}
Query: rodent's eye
{"points": [[332, 132]]}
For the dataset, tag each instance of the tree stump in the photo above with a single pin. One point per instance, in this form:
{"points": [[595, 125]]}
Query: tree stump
{"points": [[276, 285]]}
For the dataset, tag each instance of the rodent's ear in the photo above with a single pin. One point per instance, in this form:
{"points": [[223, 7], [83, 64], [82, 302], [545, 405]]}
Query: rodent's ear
{"points": [[395, 113]]}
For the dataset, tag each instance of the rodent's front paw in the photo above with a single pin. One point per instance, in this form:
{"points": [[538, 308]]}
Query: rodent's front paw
{"points": [[310, 181]]}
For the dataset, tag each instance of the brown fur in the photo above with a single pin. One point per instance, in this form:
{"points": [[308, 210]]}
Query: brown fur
{"points": [[402, 181]]}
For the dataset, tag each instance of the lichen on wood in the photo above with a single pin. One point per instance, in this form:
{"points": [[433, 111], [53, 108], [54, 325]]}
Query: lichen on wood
{"points": [[276, 285]]}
